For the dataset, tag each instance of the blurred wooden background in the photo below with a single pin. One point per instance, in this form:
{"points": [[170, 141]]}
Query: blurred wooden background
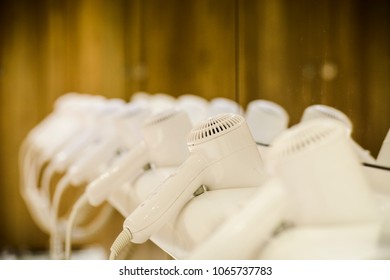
{"points": [[295, 53]]}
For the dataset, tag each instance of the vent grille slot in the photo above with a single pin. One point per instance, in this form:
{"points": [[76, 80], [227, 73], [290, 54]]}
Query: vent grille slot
{"points": [[161, 117], [334, 114], [304, 137], [214, 127]]}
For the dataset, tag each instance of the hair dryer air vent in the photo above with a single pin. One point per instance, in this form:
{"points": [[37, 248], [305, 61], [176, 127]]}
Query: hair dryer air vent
{"points": [[323, 111], [309, 137], [214, 127], [161, 117], [320, 111]]}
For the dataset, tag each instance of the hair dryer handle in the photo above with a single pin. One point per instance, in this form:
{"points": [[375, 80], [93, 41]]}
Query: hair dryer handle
{"points": [[126, 168], [166, 200], [87, 166]]}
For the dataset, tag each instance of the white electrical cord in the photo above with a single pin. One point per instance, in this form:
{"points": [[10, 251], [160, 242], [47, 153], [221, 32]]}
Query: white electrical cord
{"points": [[31, 162], [80, 203], [55, 238], [87, 231], [123, 240], [24, 157], [82, 233], [46, 179]]}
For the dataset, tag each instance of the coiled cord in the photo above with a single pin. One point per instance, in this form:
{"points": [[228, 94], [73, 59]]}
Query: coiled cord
{"points": [[122, 240]]}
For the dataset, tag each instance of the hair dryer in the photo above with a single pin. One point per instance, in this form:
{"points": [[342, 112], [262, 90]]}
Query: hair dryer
{"points": [[126, 121], [140, 97], [163, 145], [160, 102], [194, 105], [44, 141], [221, 105], [325, 181], [266, 120], [221, 147], [330, 203], [79, 113], [125, 118], [93, 160], [323, 111]]}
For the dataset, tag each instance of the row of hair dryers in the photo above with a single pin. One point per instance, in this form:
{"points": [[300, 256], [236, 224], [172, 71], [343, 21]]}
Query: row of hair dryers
{"points": [[207, 179]]}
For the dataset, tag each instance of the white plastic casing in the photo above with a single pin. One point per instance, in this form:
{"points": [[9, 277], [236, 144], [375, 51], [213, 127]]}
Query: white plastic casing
{"points": [[226, 143], [266, 120], [129, 123], [330, 203], [45, 140], [103, 147], [195, 106], [331, 242], [199, 218], [63, 123], [245, 232], [378, 177], [324, 180], [95, 119], [384, 152], [221, 105], [93, 161], [127, 197], [223, 154], [165, 136], [164, 144], [160, 102], [323, 111], [140, 97]]}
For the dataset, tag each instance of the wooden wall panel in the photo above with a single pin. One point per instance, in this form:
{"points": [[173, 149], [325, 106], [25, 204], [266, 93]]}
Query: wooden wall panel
{"points": [[22, 105], [299, 53], [263, 52], [189, 47], [49, 48], [295, 53], [376, 66]]}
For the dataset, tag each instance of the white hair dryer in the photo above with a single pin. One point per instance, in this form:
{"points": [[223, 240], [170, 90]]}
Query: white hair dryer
{"points": [[164, 145], [222, 155], [266, 120], [329, 202], [222, 105], [196, 106], [323, 111], [127, 122], [44, 142], [97, 155]]}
